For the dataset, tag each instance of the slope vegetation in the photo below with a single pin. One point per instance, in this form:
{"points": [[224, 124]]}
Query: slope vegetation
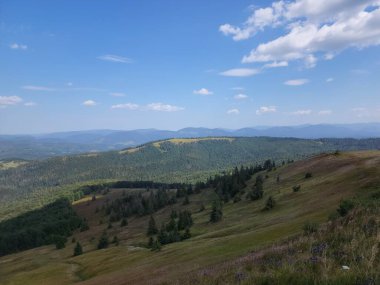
{"points": [[244, 228], [181, 160]]}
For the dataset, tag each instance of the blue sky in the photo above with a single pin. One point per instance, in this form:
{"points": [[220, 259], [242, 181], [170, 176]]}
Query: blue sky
{"points": [[75, 65]]}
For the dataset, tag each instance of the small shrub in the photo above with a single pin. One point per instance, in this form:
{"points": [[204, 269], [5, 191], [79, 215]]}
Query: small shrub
{"points": [[310, 227], [296, 188], [237, 199], [308, 175], [344, 207]]}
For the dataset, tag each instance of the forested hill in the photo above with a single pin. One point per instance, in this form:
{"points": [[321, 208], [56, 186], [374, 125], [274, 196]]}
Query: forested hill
{"points": [[176, 160]]}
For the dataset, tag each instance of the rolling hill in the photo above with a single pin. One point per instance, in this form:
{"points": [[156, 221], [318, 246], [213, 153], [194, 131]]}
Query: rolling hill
{"points": [[36, 183], [64, 143], [248, 246]]}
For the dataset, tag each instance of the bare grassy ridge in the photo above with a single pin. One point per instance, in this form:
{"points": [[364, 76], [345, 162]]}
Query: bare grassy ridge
{"points": [[240, 248]]}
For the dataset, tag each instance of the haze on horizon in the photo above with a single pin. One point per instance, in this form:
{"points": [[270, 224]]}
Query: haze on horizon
{"points": [[79, 65]]}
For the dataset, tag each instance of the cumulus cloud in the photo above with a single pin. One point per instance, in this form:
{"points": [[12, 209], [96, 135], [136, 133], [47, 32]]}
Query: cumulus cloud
{"points": [[128, 106], [265, 109], [89, 103], [160, 107], [233, 112], [37, 88], [302, 112], [203, 91], [240, 97], [115, 58], [17, 46], [240, 72], [296, 82], [163, 107], [276, 64], [9, 100], [314, 30]]}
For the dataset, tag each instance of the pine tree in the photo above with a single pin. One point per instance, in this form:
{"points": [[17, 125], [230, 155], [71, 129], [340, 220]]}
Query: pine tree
{"points": [[156, 245], [103, 241], [124, 222], [78, 249], [115, 240], [270, 203], [187, 234], [216, 213], [186, 201], [152, 229]]}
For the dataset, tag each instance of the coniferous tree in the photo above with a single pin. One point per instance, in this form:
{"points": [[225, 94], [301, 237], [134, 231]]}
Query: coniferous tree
{"points": [[115, 240], [186, 234], [78, 249], [103, 241], [186, 201], [216, 212], [270, 203], [152, 228], [124, 222]]}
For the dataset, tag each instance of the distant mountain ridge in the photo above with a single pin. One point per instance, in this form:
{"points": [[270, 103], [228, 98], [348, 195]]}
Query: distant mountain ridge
{"points": [[64, 143]]}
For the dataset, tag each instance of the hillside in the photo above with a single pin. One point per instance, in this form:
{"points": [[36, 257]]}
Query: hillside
{"points": [[42, 146], [217, 252], [178, 160]]}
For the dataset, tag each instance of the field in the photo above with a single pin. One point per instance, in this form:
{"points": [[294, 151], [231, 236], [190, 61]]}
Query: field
{"points": [[245, 227]]}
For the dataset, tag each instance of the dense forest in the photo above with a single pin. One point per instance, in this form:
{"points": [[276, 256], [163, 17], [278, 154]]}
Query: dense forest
{"points": [[39, 182], [51, 224]]}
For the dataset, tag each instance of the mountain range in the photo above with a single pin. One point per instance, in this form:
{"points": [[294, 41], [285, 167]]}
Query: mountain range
{"points": [[63, 143]]}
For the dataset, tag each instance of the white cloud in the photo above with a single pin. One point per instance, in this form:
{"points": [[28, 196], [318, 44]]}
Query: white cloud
{"points": [[296, 82], [203, 91], [128, 106], [259, 19], [150, 107], [163, 107], [89, 103], [330, 79], [264, 110], [233, 112], [276, 64], [30, 104], [117, 94], [240, 97], [115, 58], [302, 112], [9, 100], [37, 88], [325, 112], [18, 46], [314, 30], [240, 72]]}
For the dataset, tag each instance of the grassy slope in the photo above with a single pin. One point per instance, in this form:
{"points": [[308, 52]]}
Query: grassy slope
{"points": [[179, 160], [244, 228]]}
